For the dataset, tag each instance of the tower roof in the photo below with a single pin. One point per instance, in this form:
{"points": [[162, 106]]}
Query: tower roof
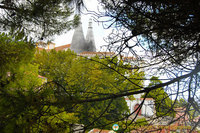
{"points": [[79, 44], [78, 40], [90, 38]]}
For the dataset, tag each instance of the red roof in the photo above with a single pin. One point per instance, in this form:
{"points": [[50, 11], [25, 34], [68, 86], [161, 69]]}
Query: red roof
{"points": [[181, 114], [148, 99], [128, 58], [97, 53], [62, 47], [99, 131], [39, 76], [40, 49]]}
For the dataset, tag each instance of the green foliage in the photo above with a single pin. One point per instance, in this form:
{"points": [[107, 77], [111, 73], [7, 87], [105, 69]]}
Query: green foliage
{"points": [[30, 104], [26, 108], [141, 122], [14, 51], [38, 18], [129, 125], [80, 78], [192, 112], [25, 101], [181, 103], [55, 120], [26, 78], [163, 104], [97, 115], [77, 74]]}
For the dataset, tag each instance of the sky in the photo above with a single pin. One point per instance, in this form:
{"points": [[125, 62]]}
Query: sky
{"points": [[99, 32]]}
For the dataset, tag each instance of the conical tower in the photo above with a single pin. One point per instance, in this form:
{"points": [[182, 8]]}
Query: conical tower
{"points": [[90, 38], [78, 44]]}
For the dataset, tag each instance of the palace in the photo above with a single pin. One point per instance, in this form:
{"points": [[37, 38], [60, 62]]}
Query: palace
{"points": [[86, 47]]}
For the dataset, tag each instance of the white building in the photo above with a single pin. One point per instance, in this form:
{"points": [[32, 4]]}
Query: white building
{"points": [[147, 109]]}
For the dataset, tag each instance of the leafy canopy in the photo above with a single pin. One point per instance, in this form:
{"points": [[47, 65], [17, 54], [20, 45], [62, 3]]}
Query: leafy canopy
{"points": [[24, 107], [163, 104], [38, 18], [79, 78]]}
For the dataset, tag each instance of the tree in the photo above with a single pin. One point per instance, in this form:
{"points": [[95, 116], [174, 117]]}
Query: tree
{"points": [[80, 79], [14, 52], [166, 31], [181, 103], [34, 106], [38, 18], [168, 34], [103, 114], [24, 107], [162, 101]]}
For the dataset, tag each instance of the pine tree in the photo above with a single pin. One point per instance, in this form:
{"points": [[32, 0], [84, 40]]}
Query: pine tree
{"points": [[38, 18]]}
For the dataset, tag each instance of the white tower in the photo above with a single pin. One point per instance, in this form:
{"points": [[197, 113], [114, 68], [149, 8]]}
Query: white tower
{"points": [[78, 40], [90, 38], [79, 44]]}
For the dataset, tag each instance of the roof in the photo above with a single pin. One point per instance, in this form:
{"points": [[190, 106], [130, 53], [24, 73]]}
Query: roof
{"points": [[78, 44], [39, 76], [99, 131], [40, 49], [90, 38], [97, 53], [147, 99], [129, 58], [181, 114], [62, 47]]}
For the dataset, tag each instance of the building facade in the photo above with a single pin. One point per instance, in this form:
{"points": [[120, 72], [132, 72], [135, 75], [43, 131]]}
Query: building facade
{"points": [[146, 110]]}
